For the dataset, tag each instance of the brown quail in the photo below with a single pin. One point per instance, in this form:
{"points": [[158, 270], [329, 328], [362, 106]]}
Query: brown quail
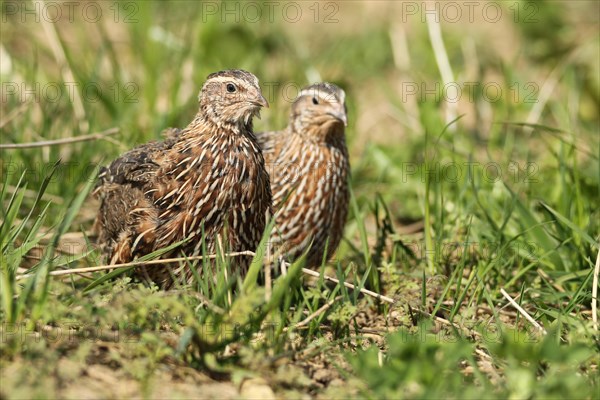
{"points": [[309, 170], [208, 178]]}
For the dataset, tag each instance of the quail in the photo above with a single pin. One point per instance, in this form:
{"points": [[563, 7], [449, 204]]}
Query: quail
{"points": [[309, 169], [202, 182]]}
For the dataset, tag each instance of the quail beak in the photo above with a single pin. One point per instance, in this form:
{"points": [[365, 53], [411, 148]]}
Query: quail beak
{"points": [[340, 116], [261, 101]]}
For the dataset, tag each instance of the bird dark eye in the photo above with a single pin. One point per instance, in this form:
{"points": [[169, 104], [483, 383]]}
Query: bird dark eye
{"points": [[230, 87], [315, 101]]}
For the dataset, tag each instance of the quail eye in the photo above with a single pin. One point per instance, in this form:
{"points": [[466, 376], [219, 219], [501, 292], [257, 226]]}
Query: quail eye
{"points": [[230, 87], [315, 101]]}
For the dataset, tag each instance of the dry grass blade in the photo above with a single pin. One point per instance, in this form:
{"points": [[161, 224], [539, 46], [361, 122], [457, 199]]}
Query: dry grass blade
{"points": [[400, 51], [320, 311], [68, 140], [61, 59], [137, 263], [349, 286], [446, 322], [205, 301], [522, 311], [548, 279], [443, 62], [549, 85], [482, 354]]}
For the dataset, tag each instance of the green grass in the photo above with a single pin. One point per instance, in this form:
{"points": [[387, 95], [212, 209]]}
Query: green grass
{"points": [[445, 211]]}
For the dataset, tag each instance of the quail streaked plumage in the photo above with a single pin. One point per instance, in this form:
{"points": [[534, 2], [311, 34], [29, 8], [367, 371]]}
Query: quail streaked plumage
{"points": [[309, 170], [208, 178]]}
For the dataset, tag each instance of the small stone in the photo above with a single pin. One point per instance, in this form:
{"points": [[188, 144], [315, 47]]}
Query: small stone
{"points": [[256, 388]]}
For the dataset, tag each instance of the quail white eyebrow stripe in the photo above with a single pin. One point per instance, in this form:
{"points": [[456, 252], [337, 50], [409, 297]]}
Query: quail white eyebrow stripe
{"points": [[322, 94]]}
